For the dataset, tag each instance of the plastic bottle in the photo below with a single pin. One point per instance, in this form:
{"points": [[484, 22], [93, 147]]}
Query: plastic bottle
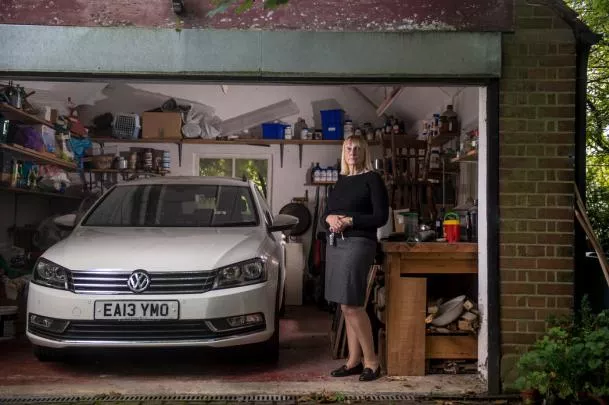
{"points": [[316, 173], [440, 224]]}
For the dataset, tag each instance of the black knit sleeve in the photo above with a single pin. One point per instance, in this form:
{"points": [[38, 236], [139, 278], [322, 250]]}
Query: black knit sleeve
{"points": [[380, 205]]}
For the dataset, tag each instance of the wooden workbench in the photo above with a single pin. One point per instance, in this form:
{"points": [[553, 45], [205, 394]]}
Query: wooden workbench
{"points": [[407, 268]]}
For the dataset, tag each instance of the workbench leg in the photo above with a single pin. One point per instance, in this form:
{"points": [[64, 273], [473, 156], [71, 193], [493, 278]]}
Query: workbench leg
{"points": [[406, 310]]}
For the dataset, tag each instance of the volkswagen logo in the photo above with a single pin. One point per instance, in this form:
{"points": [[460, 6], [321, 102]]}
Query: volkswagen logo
{"points": [[138, 281]]}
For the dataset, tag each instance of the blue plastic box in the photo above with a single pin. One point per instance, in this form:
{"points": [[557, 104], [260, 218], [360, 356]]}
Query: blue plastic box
{"points": [[273, 130], [332, 122]]}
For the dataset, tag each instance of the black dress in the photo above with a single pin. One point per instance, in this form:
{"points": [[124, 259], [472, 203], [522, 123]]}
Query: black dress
{"points": [[364, 198]]}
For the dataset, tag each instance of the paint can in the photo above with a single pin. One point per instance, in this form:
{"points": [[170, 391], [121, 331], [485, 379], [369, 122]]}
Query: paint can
{"points": [[8, 317]]}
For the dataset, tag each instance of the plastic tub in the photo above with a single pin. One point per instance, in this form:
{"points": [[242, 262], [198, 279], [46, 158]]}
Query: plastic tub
{"points": [[273, 130], [332, 122]]}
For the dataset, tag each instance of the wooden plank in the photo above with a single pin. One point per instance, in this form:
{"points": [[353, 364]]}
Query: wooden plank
{"points": [[395, 93], [439, 266], [406, 310], [451, 347], [430, 247], [366, 98], [17, 190], [471, 157], [38, 157], [584, 221]]}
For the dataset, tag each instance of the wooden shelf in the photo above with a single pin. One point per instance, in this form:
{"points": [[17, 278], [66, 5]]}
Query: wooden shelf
{"points": [[38, 157], [199, 141], [17, 190], [15, 114], [139, 140], [128, 171], [451, 347], [471, 157], [443, 138]]}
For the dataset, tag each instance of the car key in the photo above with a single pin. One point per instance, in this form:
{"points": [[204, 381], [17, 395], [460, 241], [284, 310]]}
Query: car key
{"points": [[332, 239]]}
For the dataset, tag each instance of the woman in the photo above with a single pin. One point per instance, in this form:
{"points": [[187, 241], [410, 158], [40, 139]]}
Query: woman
{"points": [[357, 206]]}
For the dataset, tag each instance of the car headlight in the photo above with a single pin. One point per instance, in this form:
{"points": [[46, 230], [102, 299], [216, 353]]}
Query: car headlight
{"points": [[50, 274], [240, 274]]}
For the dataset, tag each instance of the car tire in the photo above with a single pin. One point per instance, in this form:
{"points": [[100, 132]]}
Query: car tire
{"points": [[46, 354]]}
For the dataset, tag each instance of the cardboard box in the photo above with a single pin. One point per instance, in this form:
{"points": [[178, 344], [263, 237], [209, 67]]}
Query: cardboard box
{"points": [[161, 125]]}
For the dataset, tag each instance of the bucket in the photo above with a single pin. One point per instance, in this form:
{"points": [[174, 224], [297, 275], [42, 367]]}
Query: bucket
{"points": [[8, 317], [452, 228]]}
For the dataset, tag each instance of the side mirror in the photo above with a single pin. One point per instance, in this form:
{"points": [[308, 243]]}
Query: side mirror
{"points": [[283, 222], [66, 221]]}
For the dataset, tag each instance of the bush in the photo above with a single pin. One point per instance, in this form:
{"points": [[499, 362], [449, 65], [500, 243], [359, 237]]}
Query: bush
{"points": [[571, 359]]}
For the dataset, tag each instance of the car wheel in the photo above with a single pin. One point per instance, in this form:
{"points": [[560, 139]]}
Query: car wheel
{"points": [[47, 353]]}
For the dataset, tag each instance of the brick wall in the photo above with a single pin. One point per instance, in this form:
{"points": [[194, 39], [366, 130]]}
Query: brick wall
{"points": [[537, 116]]}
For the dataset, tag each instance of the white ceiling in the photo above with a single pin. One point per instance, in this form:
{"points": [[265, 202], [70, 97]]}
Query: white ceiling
{"points": [[414, 102]]}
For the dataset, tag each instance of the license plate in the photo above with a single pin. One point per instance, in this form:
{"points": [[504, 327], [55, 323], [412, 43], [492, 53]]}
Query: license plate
{"points": [[137, 310]]}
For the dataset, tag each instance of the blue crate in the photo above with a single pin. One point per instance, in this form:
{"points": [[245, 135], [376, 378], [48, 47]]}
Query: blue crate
{"points": [[332, 122], [273, 130]]}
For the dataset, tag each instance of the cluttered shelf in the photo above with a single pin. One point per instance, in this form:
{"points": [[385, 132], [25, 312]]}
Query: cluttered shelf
{"points": [[16, 114], [443, 138], [39, 157], [18, 190]]}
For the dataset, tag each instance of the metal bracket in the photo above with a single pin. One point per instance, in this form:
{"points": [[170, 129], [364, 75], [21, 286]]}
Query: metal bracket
{"points": [[180, 153], [300, 155]]}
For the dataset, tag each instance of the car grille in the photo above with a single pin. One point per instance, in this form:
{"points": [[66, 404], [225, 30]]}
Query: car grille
{"points": [[115, 282], [121, 331]]}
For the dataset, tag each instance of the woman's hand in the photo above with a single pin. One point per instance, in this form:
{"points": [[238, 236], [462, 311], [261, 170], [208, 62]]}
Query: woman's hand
{"points": [[338, 223]]}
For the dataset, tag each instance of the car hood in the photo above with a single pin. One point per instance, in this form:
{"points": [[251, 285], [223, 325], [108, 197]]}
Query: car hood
{"points": [[161, 249]]}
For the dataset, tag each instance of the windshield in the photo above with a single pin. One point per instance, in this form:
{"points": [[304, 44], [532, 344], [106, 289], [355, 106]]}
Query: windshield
{"points": [[175, 205]]}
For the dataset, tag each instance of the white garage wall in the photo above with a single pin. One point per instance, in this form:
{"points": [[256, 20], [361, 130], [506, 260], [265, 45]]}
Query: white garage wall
{"points": [[287, 181]]}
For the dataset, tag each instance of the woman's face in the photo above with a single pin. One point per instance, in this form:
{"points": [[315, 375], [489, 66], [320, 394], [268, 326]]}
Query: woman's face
{"points": [[353, 154]]}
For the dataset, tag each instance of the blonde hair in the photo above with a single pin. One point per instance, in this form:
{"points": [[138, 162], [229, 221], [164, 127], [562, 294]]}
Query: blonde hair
{"points": [[360, 142]]}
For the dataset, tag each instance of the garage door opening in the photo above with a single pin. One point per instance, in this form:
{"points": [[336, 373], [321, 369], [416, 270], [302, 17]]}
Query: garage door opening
{"points": [[429, 144]]}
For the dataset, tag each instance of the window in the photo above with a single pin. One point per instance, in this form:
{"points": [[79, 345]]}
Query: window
{"points": [[175, 205], [256, 170]]}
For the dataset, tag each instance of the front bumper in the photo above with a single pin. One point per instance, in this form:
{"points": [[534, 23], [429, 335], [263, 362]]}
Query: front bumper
{"points": [[191, 329]]}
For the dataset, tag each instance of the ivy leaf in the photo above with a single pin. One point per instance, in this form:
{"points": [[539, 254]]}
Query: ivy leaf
{"points": [[243, 7], [274, 3]]}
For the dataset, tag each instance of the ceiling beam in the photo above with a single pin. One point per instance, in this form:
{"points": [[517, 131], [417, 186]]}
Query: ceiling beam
{"points": [[395, 93], [366, 98]]}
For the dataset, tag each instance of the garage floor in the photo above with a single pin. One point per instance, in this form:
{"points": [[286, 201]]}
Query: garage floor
{"points": [[304, 367]]}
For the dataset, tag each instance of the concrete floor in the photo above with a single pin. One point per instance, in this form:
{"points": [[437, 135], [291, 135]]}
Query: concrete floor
{"points": [[304, 367]]}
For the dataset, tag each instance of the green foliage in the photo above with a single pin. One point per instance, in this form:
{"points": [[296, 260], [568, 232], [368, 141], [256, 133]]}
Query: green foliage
{"points": [[594, 13], [571, 358], [241, 6]]}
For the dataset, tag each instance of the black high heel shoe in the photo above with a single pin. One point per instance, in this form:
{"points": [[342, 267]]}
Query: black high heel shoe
{"points": [[343, 371], [370, 375]]}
